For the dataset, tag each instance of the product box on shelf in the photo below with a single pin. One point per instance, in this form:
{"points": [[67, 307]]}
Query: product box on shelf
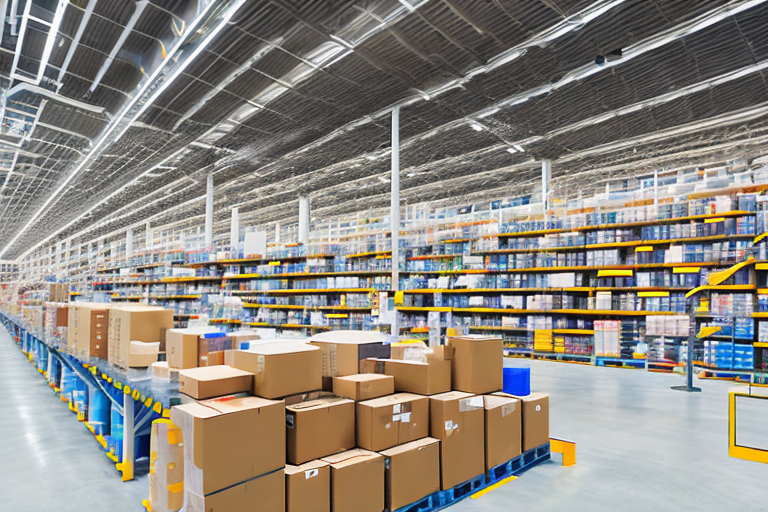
{"points": [[363, 386], [280, 369], [503, 429], [357, 481], [392, 420], [343, 350], [230, 441], [134, 323], [319, 427], [535, 419], [412, 472], [212, 381], [457, 420], [478, 363], [308, 487], [181, 346]]}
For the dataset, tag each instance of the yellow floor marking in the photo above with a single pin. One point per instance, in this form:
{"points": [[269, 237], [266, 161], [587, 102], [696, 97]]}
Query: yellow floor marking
{"points": [[492, 487]]}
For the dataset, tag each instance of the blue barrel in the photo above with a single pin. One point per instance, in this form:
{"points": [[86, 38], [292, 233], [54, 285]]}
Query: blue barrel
{"points": [[517, 381], [80, 397], [116, 433], [68, 379], [99, 410]]}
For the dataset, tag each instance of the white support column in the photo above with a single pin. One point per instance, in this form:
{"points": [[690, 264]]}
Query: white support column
{"points": [[394, 210], [129, 451], [209, 212], [277, 233], [128, 243], [304, 220], [234, 230], [656, 188], [546, 177], [150, 236]]}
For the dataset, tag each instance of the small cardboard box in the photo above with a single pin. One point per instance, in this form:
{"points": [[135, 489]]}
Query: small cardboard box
{"points": [[457, 420], [143, 357], [62, 316], [263, 494], [412, 472], [308, 487], [535, 419], [134, 323], [230, 440], [212, 381], [166, 470], [357, 481], [343, 350], [181, 346], [280, 369], [503, 429], [241, 339], [391, 420], [478, 363], [363, 386], [428, 378], [318, 428]]}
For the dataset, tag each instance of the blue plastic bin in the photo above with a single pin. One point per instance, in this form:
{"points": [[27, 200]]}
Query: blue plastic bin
{"points": [[517, 381]]}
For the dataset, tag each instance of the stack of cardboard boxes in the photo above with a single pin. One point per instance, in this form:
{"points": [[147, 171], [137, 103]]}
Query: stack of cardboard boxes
{"points": [[345, 431]]}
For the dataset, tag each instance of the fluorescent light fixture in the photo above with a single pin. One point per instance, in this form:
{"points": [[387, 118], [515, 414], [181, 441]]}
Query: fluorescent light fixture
{"points": [[518, 147], [52, 33], [477, 127], [512, 150]]}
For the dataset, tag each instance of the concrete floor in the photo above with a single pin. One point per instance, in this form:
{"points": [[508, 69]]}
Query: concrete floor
{"points": [[640, 446]]}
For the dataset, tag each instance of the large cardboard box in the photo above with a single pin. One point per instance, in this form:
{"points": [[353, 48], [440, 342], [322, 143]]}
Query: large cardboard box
{"points": [[280, 369], [535, 419], [503, 430], [88, 334], [212, 381], [62, 316], [412, 472], [241, 340], [228, 441], [424, 378], [308, 487], [263, 494], [343, 350], [357, 481], [166, 466], [363, 386], [181, 346], [391, 420], [478, 363], [134, 323], [318, 428], [457, 420]]}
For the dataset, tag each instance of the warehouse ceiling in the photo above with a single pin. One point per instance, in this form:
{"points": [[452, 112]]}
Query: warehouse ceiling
{"points": [[114, 112]]}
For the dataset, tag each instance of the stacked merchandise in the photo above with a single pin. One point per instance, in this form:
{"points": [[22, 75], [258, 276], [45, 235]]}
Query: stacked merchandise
{"points": [[632, 337], [346, 423], [607, 338], [665, 335]]}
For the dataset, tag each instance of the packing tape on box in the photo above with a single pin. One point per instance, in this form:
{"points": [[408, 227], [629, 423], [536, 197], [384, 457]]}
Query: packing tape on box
{"points": [[311, 473], [507, 409], [330, 365], [260, 363], [470, 404]]}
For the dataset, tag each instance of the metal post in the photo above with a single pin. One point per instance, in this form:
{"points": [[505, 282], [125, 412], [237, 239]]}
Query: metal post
{"points": [[128, 244], [277, 233], [304, 220], [656, 188], [126, 465], [209, 212], [150, 236], [691, 340], [394, 213], [234, 230], [546, 177]]}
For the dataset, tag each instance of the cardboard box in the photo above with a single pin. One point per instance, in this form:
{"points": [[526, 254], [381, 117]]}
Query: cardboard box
{"points": [[241, 339], [412, 472], [535, 419], [363, 386], [308, 487], [97, 337], [181, 346], [62, 316], [142, 360], [478, 363], [343, 350], [166, 470], [280, 369], [211, 347], [318, 428], [212, 381], [263, 494], [134, 323], [503, 429], [457, 420], [88, 334], [230, 440], [406, 350], [357, 481], [428, 378], [391, 420]]}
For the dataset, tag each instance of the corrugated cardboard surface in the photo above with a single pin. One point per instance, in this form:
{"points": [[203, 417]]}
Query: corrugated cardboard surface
{"points": [[357, 481], [231, 440], [363, 386], [181, 347], [342, 351], [391, 420], [62, 316], [535, 420], [308, 487], [318, 428], [478, 364], [457, 420], [135, 323], [97, 342], [264, 494], [503, 429], [413, 472], [428, 378], [280, 369], [213, 381]]}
